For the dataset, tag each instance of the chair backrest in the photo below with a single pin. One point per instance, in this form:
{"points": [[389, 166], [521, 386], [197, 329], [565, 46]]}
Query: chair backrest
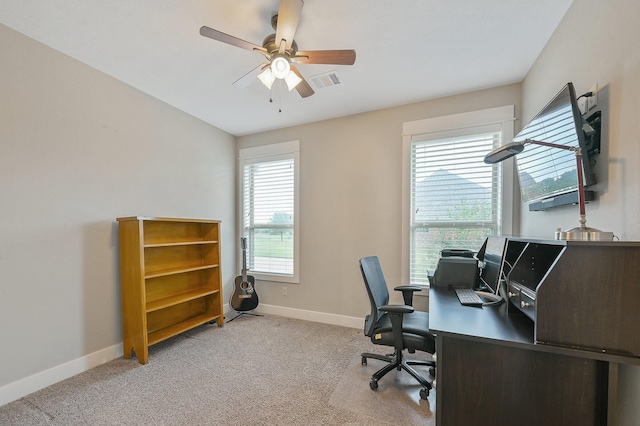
{"points": [[376, 289]]}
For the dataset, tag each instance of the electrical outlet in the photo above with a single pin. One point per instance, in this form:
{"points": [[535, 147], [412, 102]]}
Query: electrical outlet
{"points": [[284, 291], [582, 105], [592, 100]]}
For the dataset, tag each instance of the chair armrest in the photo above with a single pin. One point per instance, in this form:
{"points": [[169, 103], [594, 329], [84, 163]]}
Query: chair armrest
{"points": [[396, 313], [407, 292], [396, 309]]}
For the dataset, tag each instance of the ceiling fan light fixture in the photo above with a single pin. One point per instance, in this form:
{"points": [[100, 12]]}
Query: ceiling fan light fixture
{"points": [[267, 78], [281, 50], [292, 80], [280, 67]]}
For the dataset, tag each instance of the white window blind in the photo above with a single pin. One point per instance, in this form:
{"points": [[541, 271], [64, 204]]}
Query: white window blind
{"points": [[269, 210], [455, 197]]}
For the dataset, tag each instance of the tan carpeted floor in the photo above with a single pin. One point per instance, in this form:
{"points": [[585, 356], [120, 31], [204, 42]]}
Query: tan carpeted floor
{"points": [[397, 397], [253, 371]]}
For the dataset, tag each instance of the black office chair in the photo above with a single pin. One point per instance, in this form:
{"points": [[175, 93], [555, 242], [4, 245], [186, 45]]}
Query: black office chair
{"points": [[395, 325]]}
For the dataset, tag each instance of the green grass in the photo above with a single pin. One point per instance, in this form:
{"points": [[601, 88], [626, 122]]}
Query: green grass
{"points": [[273, 245]]}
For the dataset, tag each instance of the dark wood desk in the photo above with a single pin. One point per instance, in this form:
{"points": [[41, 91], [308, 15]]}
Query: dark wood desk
{"points": [[490, 371]]}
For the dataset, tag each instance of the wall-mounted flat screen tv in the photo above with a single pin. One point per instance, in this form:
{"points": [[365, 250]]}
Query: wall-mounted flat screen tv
{"points": [[546, 172]]}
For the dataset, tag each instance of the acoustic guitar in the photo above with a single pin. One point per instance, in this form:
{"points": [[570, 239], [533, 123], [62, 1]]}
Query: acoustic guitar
{"points": [[244, 297]]}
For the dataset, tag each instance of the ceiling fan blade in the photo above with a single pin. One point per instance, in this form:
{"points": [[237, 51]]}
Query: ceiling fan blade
{"points": [[288, 18], [303, 88], [234, 41], [335, 57], [249, 77]]}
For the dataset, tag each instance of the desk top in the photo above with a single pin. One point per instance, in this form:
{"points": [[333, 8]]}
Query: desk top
{"points": [[448, 316], [492, 324]]}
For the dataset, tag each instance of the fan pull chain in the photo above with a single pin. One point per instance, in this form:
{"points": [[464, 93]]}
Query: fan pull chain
{"points": [[279, 90], [279, 83]]}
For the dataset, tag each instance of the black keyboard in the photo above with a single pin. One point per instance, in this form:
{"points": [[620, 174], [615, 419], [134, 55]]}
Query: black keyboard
{"points": [[468, 297]]}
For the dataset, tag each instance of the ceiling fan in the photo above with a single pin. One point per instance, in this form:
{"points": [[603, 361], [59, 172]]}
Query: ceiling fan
{"points": [[282, 52]]}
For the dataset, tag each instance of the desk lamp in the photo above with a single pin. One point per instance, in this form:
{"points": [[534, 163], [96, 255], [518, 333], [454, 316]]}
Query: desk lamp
{"points": [[582, 232]]}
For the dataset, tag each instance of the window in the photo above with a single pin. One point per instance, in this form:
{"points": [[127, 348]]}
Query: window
{"points": [[269, 209], [454, 199]]}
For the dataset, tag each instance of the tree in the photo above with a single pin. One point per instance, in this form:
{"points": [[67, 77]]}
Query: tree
{"points": [[281, 218]]}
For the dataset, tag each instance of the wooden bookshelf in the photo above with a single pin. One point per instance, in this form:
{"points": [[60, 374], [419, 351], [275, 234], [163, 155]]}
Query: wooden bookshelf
{"points": [[170, 278]]}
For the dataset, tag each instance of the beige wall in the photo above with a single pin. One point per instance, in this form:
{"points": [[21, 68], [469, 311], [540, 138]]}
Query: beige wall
{"points": [[77, 150], [351, 200], [597, 43]]}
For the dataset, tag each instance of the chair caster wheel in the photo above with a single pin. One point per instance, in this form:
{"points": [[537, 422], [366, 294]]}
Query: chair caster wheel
{"points": [[363, 361], [373, 384], [424, 393]]}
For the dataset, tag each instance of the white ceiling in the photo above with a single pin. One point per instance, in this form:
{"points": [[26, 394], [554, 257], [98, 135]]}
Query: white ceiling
{"points": [[407, 50]]}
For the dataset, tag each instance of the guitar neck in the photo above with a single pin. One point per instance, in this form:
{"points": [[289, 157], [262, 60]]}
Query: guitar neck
{"points": [[244, 259]]}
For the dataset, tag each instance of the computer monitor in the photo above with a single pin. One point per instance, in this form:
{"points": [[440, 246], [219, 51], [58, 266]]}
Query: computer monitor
{"points": [[491, 256]]}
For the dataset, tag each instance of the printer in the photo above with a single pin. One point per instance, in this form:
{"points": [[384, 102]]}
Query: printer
{"points": [[456, 268]]}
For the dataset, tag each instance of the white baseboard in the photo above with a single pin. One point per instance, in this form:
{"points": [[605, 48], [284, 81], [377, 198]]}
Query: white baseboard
{"points": [[23, 387], [321, 317]]}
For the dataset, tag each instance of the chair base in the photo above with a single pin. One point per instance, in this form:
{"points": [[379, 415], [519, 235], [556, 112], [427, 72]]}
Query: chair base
{"points": [[396, 361]]}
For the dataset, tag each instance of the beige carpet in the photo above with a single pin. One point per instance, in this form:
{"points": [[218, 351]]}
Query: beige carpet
{"points": [[253, 371], [397, 396]]}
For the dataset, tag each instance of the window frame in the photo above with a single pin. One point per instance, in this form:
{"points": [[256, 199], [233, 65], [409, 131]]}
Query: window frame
{"points": [[440, 127], [268, 153]]}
